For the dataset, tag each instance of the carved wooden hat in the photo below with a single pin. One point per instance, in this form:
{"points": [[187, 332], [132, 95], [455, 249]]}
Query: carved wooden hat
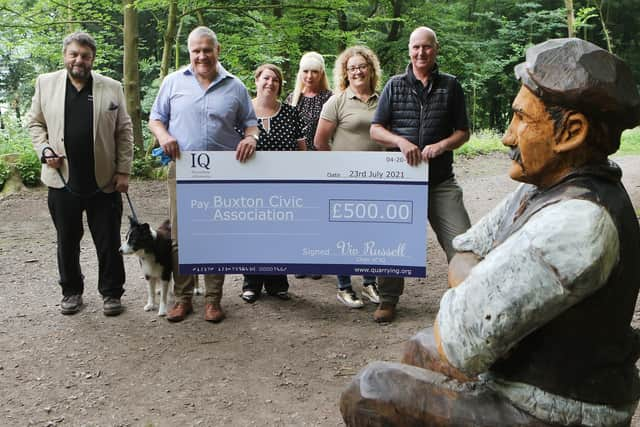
{"points": [[576, 74]]}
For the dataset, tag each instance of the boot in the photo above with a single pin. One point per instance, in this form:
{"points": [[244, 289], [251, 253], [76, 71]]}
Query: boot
{"points": [[385, 312]]}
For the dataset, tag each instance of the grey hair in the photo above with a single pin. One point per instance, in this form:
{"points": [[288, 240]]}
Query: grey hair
{"points": [[424, 29], [200, 32], [82, 38]]}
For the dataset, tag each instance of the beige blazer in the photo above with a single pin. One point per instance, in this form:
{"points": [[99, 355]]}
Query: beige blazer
{"points": [[112, 131]]}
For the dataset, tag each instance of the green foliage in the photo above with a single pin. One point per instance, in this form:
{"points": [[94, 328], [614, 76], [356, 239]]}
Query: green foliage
{"points": [[5, 172], [143, 164], [480, 41], [630, 142], [28, 165], [483, 142], [13, 138], [488, 141]]}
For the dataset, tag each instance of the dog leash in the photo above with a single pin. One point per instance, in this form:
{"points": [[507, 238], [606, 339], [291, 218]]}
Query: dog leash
{"points": [[133, 211], [54, 155]]}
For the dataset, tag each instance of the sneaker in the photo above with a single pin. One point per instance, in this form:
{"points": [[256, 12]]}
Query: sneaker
{"points": [[283, 295], [371, 292], [299, 276], [316, 276], [71, 304], [249, 296], [349, 298], [111, 306]]}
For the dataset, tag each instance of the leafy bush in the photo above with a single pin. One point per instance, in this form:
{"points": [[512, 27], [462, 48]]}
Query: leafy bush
{"points": [[28, 165], [482, 142], [630, 142], [5, 172], [143, 164], [14, 138]]}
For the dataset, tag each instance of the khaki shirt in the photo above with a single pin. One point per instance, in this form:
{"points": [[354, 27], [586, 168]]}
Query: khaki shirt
{"points": [[353, 120]]}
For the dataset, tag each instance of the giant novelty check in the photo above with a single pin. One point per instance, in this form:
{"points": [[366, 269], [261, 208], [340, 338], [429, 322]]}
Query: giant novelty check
{"points": [[287, 212]]}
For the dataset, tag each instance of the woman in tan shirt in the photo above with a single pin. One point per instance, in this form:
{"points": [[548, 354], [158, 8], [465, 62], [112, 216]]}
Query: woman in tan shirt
{"points": [[344, 126]]}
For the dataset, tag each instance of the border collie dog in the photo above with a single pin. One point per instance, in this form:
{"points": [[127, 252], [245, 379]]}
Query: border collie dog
{"points": [[153, 248]]}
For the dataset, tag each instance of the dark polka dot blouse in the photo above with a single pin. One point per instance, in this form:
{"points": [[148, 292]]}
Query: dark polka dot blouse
{"points": [[281, 131]]}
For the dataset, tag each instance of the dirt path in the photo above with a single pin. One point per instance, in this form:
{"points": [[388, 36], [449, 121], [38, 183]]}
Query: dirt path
{"points": [[269, 364]]}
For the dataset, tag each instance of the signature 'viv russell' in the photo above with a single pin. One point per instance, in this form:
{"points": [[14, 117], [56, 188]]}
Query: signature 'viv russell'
{"points": [[369, 248]]}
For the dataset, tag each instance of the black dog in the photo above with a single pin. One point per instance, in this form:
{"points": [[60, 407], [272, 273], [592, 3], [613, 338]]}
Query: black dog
{"points": [[153, 248]]}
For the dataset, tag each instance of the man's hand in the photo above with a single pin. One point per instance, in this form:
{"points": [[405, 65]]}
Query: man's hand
{"points": [[245, 149], [410, 151], [432, 151], [55, 162], [460, 266], [170, 146], [121, 182]]}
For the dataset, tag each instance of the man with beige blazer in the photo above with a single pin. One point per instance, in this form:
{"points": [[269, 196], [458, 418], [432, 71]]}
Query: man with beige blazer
{"points": [[80, 127]]}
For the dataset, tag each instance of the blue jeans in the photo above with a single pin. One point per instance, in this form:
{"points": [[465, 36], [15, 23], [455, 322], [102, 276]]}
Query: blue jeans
{"points": [[344, 282]]}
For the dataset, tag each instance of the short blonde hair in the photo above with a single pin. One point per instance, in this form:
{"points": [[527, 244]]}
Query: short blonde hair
{"points": [[271, 67], [340, 76], [309, 61]]}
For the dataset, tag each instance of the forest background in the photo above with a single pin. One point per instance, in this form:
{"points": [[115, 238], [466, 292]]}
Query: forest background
{"points": [[140, 42]]}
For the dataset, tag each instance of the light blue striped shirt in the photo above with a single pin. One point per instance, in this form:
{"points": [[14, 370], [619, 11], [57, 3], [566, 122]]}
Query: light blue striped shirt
{"points": [[204, 119]]}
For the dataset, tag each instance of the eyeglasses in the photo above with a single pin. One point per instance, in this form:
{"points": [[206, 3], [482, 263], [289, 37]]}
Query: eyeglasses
{"points": [[357, 68]]}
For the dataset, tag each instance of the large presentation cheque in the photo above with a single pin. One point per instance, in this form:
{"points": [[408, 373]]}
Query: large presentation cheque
{"points": [[288, 212]]}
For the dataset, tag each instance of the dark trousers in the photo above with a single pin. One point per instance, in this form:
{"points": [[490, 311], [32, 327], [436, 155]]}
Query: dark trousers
{"points": [[272, 284], [104, 216]]}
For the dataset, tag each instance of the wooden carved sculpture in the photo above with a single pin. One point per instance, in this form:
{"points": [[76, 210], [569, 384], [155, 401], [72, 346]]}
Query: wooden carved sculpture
{"points": [[535, 329]]}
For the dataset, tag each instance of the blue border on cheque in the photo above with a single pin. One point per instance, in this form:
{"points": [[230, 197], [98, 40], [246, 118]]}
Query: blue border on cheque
{"points": [[289, 212]]}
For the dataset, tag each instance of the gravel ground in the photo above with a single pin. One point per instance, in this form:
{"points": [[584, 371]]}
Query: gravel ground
{"points": [[273, 363]]}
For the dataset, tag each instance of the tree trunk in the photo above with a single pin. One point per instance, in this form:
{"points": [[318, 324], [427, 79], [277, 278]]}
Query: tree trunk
{"points": [[15, 102], [177, 45], [396, 26], [603, 22], [69, 25], [343, 25], [571, 30], [130, 71], [169, 38]]}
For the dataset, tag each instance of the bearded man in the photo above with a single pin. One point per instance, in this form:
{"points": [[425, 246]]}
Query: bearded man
{"points": [[535, 330], [80, 128]]}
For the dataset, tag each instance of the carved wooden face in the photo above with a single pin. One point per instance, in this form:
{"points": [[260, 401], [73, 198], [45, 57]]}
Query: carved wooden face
{"points": [[531, 138]]}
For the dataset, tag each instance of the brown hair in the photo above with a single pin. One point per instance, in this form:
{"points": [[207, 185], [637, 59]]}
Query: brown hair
{"points": [[81, 38], [276, 70]]}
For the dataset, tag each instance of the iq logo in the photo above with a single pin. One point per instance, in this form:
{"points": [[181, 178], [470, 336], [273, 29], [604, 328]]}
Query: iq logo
{"points": [[200, 161]]}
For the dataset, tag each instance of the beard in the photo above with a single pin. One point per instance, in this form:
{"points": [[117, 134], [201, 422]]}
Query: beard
{"points": [[79, 72]]}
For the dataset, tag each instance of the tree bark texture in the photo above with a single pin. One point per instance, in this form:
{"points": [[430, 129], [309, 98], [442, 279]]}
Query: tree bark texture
{"points": [[130, 71]]}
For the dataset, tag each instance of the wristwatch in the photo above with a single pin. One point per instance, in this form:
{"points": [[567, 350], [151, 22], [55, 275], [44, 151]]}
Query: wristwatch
{"points": [[254, 136]]}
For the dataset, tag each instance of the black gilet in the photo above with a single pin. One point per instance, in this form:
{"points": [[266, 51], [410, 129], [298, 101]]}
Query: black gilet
{"points": [[425, 123]]}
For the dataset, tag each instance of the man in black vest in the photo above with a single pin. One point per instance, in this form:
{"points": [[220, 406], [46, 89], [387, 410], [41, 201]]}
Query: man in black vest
{"points": [[423, 114], [536, 328]]}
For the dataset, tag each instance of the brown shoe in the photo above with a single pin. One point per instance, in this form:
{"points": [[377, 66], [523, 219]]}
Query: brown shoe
{"points": [[385, 312], [179, 311], [213, 312]]}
